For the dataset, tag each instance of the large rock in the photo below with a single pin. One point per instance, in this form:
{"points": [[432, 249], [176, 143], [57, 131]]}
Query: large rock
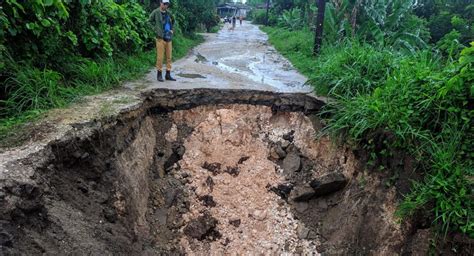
{"points": [[291, 163], [328, 183]]}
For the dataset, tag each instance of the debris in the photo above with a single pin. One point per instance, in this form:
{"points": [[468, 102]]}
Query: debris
{"points": [[204, 227]]}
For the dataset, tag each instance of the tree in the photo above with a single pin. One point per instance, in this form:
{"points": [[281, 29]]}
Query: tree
{"points": [[266, 15], [318, 39]]}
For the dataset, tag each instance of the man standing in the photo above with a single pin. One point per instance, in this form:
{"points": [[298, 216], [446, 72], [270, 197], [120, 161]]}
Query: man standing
{"points": [[162, 23], [234, 21]]}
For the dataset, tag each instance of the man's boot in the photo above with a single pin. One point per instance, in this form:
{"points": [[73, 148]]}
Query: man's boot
{"points": [[168, 76], [159, 76]]}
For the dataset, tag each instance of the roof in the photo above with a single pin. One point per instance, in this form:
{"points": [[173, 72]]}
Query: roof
{"points": [[233, 6]]}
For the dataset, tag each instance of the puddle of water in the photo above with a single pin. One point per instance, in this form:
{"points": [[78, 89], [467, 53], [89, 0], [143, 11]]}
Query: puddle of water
{"points": [[192, 76]]}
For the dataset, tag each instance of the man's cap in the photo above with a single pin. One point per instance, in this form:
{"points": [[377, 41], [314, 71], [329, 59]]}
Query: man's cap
{"points": [[165, 1]]}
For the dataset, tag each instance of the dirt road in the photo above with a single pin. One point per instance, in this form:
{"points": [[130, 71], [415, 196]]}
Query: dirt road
{"points": [[240, 59]]}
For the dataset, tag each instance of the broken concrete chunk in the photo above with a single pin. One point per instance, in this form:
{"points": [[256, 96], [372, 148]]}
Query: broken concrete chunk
{"points": [[302, 194], [328, 183], [292, 163]]}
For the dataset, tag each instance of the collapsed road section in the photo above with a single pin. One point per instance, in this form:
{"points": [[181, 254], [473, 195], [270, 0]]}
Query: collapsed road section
{"points": [[200, 172]]}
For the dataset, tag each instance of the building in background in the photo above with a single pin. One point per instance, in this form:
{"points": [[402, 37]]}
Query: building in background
{"points": [[230, 9]]}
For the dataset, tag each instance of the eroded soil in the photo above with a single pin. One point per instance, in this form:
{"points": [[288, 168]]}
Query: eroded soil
{"points": [[178, 176]]}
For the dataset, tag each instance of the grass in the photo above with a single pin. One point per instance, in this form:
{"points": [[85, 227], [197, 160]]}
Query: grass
{"points": [[32, 91], [420, 104]]}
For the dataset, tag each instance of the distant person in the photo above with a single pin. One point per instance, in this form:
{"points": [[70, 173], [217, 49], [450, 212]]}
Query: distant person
{"points": [[162, 23], [241, 19], [234, 21]]}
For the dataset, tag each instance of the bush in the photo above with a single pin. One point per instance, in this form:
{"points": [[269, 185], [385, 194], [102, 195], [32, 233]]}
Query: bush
{"points": [[90, 28], [259, 16]]}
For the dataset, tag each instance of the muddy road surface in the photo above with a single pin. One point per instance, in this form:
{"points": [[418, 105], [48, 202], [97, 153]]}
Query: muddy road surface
{"points": [[239, 59], [225, 161]]}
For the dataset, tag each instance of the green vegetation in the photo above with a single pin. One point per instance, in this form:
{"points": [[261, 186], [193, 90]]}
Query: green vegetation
{"points": [[54, 52], [401, 74]]}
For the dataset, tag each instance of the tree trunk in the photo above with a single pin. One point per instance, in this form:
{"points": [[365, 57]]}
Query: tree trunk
{"points": [[318, 39], [266, 16]]}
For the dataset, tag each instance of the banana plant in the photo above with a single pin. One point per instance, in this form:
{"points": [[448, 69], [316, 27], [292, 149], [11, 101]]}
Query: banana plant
{"points": [[291, 19], [391, 23]]}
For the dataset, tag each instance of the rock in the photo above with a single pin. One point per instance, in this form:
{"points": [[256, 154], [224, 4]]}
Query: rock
{"points": [[259, 215], [179, 150], [283, 190], [289, 136], [170, 196], [302, 231], [208, 201], [225, 242], [285, 144], [210, 183], [215, 168], [203, 227], [291, 163], [233, 171], [301, 207], [302, 194], [274, 155], [243, 159], [235, 222], [279, 150], [328, 183]]}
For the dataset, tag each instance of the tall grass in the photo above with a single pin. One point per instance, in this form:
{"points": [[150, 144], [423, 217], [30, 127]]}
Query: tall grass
{"points": [[31, 90]]}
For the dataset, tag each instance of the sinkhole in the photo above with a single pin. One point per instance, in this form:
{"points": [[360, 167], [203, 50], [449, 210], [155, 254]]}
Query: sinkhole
{"points": [[204, 172]]}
